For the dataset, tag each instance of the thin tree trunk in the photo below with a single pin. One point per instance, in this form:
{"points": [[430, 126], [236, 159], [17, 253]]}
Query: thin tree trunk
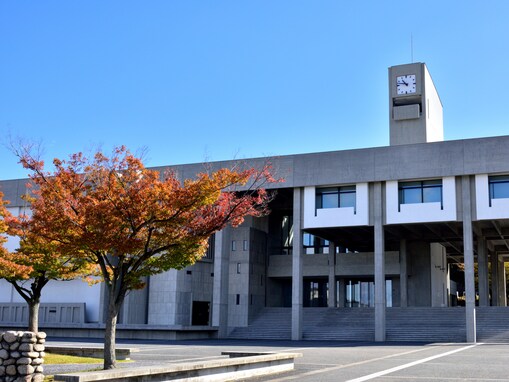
{"points": [[110, 360], [33, 316]]}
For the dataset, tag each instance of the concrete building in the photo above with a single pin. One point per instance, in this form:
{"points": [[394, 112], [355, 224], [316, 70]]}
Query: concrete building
{"points": [[405, 242]]}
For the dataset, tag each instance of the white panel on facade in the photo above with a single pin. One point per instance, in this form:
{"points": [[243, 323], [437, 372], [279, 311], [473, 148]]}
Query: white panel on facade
{"points": [[421, 212], [499, 208], [336, 217]]}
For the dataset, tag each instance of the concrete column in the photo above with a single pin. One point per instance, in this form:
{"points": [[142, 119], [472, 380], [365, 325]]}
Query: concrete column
{"points": [[297, 254], [342, 292], [468, 253], [221, 280], [482, 270], [502, 290], [332, 275], [494, 278], [379, 263], [403, 274]]}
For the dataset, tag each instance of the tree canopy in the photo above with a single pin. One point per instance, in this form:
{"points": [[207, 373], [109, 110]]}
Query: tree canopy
{"points": [[131, 222]]}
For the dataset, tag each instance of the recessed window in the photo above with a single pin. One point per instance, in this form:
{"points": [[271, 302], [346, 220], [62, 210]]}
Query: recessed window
{"points": [[425, 191], [499, 187], [244, 245], [234, 245], [335, 197], [314, 244], [237, 299]]}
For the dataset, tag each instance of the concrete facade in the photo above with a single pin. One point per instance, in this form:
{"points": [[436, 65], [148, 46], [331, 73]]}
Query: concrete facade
{"points": [[370, 228]]}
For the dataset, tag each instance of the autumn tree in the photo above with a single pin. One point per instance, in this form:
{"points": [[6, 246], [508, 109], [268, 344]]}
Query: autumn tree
{"points": [[132, 222], [36, 262]]}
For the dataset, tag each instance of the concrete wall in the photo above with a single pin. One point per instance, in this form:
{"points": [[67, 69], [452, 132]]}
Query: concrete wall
{"points": [[419, 277], [439, 276]]}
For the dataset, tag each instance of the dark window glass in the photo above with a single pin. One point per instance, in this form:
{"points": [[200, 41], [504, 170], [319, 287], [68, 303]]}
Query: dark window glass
{"points": [[428, 191], [334, 197], [499, 186]]}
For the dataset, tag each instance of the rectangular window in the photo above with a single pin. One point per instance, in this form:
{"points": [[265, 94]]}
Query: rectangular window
{"points": [[244, 245], [237, 299], [234, 245], [335, 197], [314, 244], [425, 191], [499, 187], [238, 267], [286, 235]]}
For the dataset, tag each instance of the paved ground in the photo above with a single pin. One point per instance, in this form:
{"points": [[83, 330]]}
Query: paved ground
{"points": [[341, 361]]}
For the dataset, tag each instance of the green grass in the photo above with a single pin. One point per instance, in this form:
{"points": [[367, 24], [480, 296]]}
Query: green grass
{"points": [[61, 359]]}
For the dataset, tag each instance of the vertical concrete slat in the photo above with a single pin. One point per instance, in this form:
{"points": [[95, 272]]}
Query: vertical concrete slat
{"points": [[297, 279], [332, 275], [502, 293], [494, 278], [379, 263], [221, 280], [468, 253], [403, 274], [482, 269]]}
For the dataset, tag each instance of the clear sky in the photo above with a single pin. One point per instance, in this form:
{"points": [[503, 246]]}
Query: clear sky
{"points": [[195, 81]]}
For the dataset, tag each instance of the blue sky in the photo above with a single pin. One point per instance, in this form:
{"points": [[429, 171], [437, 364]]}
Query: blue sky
{"points": [[195, 81]]}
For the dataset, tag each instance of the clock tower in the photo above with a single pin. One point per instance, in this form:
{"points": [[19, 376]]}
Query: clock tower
{"points": [[415, 110]]}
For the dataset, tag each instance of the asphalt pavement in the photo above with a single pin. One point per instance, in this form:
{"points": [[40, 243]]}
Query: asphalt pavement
{"points": [[332, 361]]}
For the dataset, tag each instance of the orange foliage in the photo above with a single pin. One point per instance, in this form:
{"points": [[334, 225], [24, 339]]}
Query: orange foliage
{"points": [[133, 222]]}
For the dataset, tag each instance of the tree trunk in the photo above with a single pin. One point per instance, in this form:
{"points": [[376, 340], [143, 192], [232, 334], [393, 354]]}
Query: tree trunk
{"points": [[110, 359], [33, 316]]}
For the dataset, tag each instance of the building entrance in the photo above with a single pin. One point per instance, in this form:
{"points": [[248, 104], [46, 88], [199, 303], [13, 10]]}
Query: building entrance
{"points": [[315, 292], [361, 293]]}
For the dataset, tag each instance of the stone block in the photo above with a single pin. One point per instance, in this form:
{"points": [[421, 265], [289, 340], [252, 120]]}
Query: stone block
{"points": [[38, 347], [15, 354], [25, 347], [11, 370], [24, 361], [39, 369], [41, 335], [31, 354], [4, 354], [38, 377], [10, 361], [10, 337], [14, 346], [26, 369], [37, 361]]}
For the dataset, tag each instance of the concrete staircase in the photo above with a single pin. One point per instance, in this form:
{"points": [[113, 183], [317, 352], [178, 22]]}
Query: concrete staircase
{"points": [[269, 324], [492, 324], [414, 324], [425, 324]]}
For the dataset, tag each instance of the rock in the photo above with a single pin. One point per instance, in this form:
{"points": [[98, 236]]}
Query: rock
{"points": [[10, 370], [4, 354], [15, 354], [24, 361], [41, 335], [31, 354], [25, 369], [39, 369], [10, 361], [2, 371], [25, 347], [14, 346], [38, 377], [10, 337], [38, 347], [37, 361]]}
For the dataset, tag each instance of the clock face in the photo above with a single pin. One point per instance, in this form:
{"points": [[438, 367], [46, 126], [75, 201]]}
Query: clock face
{"points": [[406, 84]]}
